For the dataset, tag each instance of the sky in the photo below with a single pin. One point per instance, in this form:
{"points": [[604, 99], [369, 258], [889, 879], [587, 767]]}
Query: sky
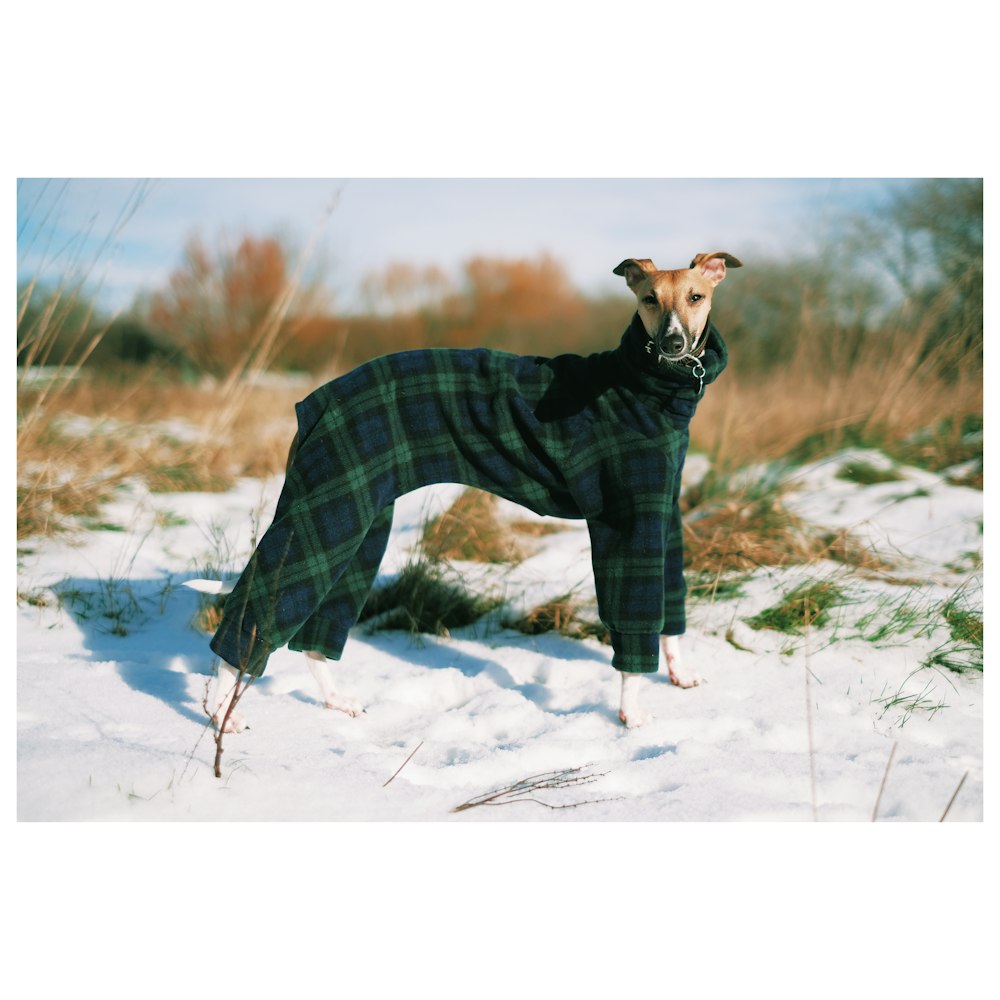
{"points": [[124, 236]]}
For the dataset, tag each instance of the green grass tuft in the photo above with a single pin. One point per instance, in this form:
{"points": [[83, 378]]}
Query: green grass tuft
{"points": [[966, 626], [425, 597], [915, 615], [892, 617], [807, 605], [866, 474], [966, 629], [470, 530], [715, 587]]}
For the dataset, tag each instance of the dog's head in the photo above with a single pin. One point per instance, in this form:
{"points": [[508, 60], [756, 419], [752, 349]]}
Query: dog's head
{"points": [[674, 305]]}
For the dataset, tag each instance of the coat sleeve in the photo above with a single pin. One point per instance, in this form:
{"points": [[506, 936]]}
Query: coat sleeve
{"points": [[631, 543], [628, 576]]}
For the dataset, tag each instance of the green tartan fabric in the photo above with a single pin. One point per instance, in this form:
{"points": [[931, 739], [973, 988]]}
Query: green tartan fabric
{"points": [[602, 438]]}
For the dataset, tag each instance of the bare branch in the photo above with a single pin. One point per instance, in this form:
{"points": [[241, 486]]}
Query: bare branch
{"points": [[524, 790], [238, 690], [407, 761], [888, 764], [953, 797]]}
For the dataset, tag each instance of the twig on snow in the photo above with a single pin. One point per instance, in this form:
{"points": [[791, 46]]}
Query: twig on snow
{"points": [[525, 789], [243, 681], [809, 717], [407, 761], [881, 789], [953, 797]]}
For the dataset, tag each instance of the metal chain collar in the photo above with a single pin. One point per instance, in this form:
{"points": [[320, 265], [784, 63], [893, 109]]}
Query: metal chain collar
{"points": [[691, 360]]}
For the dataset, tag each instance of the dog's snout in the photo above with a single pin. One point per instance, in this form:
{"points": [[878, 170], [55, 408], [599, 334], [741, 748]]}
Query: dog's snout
{"points": [[672, 340], [673, 344]]}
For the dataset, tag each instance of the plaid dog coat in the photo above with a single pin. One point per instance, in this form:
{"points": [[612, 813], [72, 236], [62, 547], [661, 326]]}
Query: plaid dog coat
{"points": [[602, 437]]}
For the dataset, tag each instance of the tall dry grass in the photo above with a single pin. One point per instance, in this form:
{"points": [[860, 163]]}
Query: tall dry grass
{"points": [[82, 433], [892, 389], [87, 436]]}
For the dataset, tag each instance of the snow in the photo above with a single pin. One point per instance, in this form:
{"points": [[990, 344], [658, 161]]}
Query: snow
{"points": [[111, 675]]}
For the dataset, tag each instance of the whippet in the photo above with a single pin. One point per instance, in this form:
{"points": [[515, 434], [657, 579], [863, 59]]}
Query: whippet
{"points": [[641, 395]]}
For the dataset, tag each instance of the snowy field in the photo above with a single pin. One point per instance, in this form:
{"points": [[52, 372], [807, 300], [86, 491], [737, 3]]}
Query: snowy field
{"points": [[111, 675]]}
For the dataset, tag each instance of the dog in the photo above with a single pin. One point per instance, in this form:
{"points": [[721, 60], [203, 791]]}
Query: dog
{"points": [[602, 437]]}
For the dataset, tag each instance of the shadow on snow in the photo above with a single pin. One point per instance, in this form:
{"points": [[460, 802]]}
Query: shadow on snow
{"points": [[146, 628]]}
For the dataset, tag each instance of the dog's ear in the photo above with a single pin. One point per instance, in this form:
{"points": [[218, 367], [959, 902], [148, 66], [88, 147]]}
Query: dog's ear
{"points": [[713, 265], [634, 270]]}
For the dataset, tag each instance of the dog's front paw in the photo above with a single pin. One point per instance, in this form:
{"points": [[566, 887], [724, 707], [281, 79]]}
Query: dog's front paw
{"points": [[633, 719], [629, 714]]}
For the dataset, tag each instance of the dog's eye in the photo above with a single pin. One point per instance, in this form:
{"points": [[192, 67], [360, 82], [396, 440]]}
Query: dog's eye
{"points": [[649, 300], [696, 297]]}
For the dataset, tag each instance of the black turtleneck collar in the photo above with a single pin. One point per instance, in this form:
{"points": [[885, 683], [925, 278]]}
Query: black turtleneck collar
{"points": [[671, 377]]}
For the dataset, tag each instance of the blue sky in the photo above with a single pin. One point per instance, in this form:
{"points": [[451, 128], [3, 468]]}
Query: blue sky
{"points": [[126, 235]]}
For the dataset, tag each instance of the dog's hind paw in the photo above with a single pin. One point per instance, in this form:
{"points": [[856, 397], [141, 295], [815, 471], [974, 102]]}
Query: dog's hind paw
{"points": [[684, 680], [234, 724], [681, 677], [678, 675], [351, 708]]}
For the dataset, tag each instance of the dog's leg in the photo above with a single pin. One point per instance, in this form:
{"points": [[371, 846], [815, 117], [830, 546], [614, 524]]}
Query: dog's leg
{"points": [[317, 664], [680, 676], [217, 700], [630, 713]]}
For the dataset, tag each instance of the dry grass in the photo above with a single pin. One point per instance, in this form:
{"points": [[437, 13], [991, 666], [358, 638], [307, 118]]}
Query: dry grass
{"points": [[238, 426], [470, 530], [82, 440], [733, 536], [562, 615], [537, 529], [887, 394], [735, 529], [890, 394], [208, 617]]}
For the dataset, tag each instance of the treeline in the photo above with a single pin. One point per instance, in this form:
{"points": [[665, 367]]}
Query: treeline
{"points": [[918, 261], [217, 307], [522, 306]]}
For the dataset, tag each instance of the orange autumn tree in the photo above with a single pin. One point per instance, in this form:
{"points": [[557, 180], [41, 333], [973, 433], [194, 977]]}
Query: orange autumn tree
{"points": [[217, 304], [518, 305]]}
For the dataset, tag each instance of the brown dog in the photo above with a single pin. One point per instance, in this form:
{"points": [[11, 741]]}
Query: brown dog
{"points": [[673, 307]]}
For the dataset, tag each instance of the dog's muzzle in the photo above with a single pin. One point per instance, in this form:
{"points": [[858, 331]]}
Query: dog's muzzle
{"points": [[673, 345], [678, 347]]}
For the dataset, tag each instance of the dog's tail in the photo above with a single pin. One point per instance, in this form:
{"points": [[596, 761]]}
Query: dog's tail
{"points": [[211, 586]]}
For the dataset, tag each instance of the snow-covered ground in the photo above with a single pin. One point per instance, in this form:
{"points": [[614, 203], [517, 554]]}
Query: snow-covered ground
{"points": [[111, 675]]}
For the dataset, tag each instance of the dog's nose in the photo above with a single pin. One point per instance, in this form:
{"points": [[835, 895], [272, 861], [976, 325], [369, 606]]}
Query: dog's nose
{"points": [[673, 345]]}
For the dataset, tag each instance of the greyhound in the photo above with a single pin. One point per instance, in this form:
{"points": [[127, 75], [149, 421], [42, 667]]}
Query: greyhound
{"points": [[673, 308]]}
